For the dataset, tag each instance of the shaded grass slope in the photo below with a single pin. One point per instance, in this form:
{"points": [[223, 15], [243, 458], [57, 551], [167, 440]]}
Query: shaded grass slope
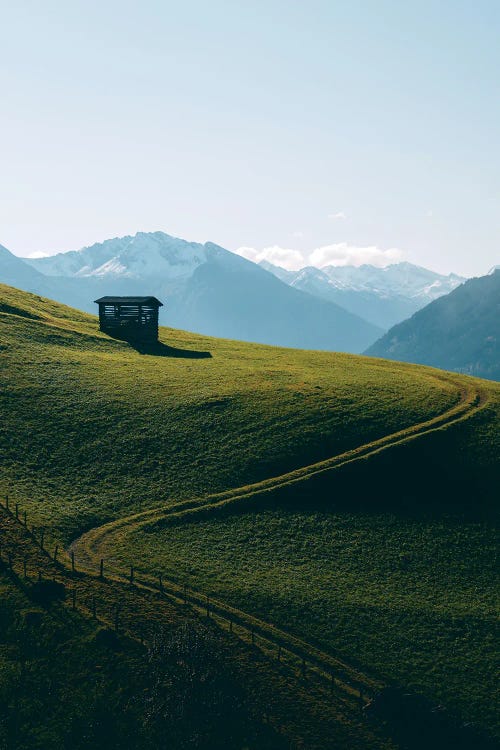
{"points": [[414, 598], [391, 562]]}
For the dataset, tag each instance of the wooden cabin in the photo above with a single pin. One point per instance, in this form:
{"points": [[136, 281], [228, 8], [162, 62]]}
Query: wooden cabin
{"points": [[132, 318]]}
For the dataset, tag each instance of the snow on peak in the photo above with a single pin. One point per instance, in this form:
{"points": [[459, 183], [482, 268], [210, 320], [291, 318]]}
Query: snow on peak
{"points": [[397, 279], [145, 255]]}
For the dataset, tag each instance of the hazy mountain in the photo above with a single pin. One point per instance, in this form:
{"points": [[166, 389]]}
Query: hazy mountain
{"points": [[460, 331], [384, 296], [17, 272], [206, 289]]}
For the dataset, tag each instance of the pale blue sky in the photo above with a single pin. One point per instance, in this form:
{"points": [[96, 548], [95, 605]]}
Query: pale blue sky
{"points": [[346, 125]]}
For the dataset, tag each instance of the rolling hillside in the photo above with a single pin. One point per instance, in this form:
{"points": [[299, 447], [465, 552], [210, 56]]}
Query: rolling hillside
{"points": [[115, 430], [347, 500], [460, 331]]}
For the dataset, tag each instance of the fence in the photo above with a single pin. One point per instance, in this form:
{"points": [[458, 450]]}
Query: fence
{"points": [[342, 679]]}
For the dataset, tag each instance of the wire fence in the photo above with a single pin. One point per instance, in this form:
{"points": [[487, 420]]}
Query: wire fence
{"points": [[341, 679]]}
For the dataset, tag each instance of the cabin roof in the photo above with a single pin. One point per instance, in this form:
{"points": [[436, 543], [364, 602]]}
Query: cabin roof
{"points": [[128, 300]]}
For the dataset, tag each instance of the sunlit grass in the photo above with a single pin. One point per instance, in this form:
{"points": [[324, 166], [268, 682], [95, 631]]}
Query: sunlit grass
{"points": [[92, 429]]}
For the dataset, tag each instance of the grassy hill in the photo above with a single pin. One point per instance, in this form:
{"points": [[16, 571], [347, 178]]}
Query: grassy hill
{"points": [[384, 557], [93, 429]]}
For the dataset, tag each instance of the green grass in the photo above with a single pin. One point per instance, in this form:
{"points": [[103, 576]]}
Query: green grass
{"points": [[388, 560], [66, 681], [56, 683], [192, 686], [414, 599], [92, 429]]}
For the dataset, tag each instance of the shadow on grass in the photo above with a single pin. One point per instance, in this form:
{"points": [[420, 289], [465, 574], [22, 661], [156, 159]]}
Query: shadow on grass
{"points": [[157, 349]]}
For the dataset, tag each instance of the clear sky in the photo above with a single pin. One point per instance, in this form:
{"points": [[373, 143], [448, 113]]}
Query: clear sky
{"points": [[301, 131]]}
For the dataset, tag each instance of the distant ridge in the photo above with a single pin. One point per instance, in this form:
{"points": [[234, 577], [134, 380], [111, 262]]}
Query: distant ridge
{"points": [[385, 296], [460, 331], [17, 272]]}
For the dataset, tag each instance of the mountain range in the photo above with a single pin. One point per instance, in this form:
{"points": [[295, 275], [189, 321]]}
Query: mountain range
{"points": [[210, 290], [460, 331], [385, 296], [206, 289]]}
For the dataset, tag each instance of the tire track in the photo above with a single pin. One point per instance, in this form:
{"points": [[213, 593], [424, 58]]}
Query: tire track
{"points": [[89, 548]]}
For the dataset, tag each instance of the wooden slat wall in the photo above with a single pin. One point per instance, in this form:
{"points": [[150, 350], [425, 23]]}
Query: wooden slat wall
{"points": [[140, 321]]}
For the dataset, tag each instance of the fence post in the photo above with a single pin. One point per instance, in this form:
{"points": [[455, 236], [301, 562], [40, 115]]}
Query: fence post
{"points": [[25, 573], [94, 615], [72, 561], [6, 502], [56, 550], [101, 568], [131, 574], [208, 606]]}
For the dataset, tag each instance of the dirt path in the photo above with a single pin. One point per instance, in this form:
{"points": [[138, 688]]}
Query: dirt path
{"points": [[92, 546], [87, 546]]}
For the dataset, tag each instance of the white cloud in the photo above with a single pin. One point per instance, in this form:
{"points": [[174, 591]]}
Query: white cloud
{"points": [[342, 254], [339, 254], [280, 256], [337, 216]]}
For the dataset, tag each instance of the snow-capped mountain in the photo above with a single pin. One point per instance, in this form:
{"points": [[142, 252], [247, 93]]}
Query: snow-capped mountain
{"points": [[385, 296], [404, 279], [206, 289], [147, 254]]}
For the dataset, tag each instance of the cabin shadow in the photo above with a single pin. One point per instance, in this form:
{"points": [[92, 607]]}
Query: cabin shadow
{"points": [[158, 349], [135, 320]]}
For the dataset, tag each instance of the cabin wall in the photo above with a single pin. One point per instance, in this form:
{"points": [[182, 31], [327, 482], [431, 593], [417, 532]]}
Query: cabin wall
{"points": [[129, 321]]}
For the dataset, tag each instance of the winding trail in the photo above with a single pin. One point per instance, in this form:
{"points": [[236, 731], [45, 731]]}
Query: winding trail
{"points": [[90, 548]]}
